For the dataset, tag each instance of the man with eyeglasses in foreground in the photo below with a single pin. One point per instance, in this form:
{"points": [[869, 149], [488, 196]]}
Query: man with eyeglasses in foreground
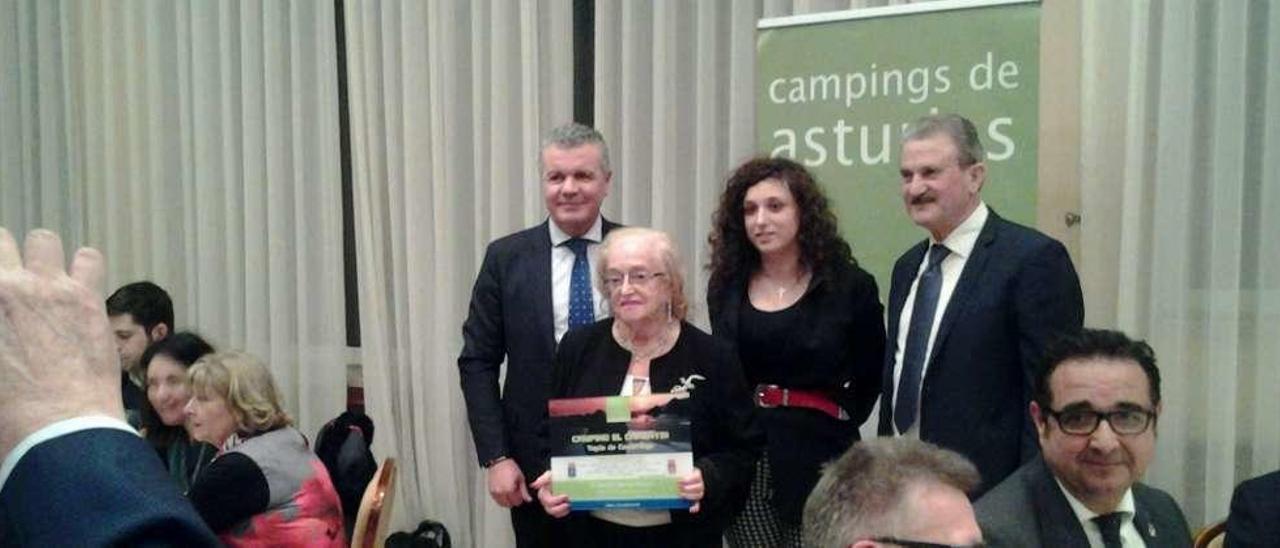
{"points": [[1095, 406], [893, 492]]}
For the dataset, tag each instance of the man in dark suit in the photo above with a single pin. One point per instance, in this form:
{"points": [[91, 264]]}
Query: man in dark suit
{"points": [[1254, 520], [966, 326], [533, 286], [1097, 402], [60, 402]]}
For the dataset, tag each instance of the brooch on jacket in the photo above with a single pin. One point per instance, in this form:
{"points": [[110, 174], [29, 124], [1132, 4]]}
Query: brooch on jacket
{"points": [[681, 391]]}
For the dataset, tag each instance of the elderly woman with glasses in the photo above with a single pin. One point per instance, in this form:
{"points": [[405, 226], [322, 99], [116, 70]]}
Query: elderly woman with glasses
{"points": [[648, 348], [265, 487]]}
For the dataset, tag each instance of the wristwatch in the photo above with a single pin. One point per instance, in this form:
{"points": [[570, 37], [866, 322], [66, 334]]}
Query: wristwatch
{"points": [[495, 460]]}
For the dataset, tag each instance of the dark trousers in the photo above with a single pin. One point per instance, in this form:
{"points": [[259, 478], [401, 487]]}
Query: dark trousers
{"points": [[534, 528], [586, 531]]}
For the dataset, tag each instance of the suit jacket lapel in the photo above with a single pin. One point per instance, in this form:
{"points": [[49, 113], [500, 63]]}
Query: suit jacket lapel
{"points": [[1058, 524], [970, 278], [1142, 521], [904, 275], [900, 287], [540, 270]]}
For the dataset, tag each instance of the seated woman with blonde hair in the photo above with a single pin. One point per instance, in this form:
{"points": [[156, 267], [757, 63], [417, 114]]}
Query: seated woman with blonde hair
{"points": [[265, 487]]}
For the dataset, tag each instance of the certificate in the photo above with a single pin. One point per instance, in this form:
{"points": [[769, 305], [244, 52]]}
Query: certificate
{"points": [[619, 452]]}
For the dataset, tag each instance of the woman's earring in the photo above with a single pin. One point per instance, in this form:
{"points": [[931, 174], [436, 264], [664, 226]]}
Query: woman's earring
{"points": [[669, 318]]}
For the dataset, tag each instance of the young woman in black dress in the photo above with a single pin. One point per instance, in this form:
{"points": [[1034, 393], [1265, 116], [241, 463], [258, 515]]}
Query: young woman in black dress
{"points": [[808, 326]]}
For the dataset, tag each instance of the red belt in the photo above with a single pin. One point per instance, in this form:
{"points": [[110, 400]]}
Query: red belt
{"points": [[772, 395]]}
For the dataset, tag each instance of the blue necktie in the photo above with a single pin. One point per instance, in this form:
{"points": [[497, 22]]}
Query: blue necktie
{"points": [[581, 311], [913, 354]]}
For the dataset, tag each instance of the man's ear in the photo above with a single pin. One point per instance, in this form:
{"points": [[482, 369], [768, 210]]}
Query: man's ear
{"points": [[977, 176], [1155, 421], [159, 332], [1038, 418]]}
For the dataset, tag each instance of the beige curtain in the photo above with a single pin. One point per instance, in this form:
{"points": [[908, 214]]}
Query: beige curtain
{"points": [[187, 139], [1181, 158], [448, 101]]}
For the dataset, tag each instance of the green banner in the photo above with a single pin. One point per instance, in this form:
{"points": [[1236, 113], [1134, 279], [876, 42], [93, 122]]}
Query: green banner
{"points": [[836, 95]]}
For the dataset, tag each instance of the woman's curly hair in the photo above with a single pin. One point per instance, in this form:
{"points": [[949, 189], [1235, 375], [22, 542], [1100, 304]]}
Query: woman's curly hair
{"points": [[733, 256]]}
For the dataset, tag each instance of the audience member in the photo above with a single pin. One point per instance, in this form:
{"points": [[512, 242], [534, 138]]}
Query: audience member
{"points": [[141, 313], [266, 487], [164, 364], [534, 286], [60, 402], [648, 349], [893, 492], [808, 326], [1096, 406], [1254, 521], [967, 326]]}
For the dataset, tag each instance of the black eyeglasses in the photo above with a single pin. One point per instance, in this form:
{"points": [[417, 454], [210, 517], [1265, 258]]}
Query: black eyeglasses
{"points": [[920, 544], [1084, 422]]}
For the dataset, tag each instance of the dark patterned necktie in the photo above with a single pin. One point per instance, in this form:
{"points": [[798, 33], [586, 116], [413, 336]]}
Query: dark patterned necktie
{"points": [[913, 352], [581, 311], [1109, 524]]}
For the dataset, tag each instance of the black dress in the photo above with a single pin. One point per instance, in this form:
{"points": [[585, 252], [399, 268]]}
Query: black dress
{"points": [[832, 340], [725, 437]]}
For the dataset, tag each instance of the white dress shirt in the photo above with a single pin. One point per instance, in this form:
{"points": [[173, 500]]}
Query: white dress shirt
{"points": [[960, 242], [1129, 536], [562, 270]]}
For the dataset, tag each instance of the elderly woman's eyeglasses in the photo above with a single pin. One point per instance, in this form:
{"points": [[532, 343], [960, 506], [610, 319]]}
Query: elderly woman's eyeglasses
{"points": [[639, 278], [1084, 422]]}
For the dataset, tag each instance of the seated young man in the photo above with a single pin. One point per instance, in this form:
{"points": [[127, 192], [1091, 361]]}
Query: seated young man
{"points": [[141, 313]]}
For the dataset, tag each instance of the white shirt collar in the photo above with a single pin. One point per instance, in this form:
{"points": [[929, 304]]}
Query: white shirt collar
{"points": [[594, 234], [1085, 515], [961, 240]]}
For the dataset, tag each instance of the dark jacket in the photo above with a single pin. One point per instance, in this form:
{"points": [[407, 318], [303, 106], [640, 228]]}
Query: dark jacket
{"points": [[1028, 510], [725, 437], [1017, 293], [511, 318], [1255, 513], [96, 487], [839, 352]]}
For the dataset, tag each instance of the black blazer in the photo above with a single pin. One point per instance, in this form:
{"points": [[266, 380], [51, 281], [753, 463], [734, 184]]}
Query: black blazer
{"points": [[96, 487], [1017, 293], [840, 353], [1255, 513], [511, 318], [726, 439], [1028, 510]]}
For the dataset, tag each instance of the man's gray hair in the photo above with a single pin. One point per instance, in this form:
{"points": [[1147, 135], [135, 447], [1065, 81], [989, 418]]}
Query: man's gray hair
{"points": [[962, 132], [859, 494], [574, 135]]}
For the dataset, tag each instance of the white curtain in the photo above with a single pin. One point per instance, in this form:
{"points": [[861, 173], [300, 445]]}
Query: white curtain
{"points": [[187, 139], [1181, 158], [448, 101]]}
